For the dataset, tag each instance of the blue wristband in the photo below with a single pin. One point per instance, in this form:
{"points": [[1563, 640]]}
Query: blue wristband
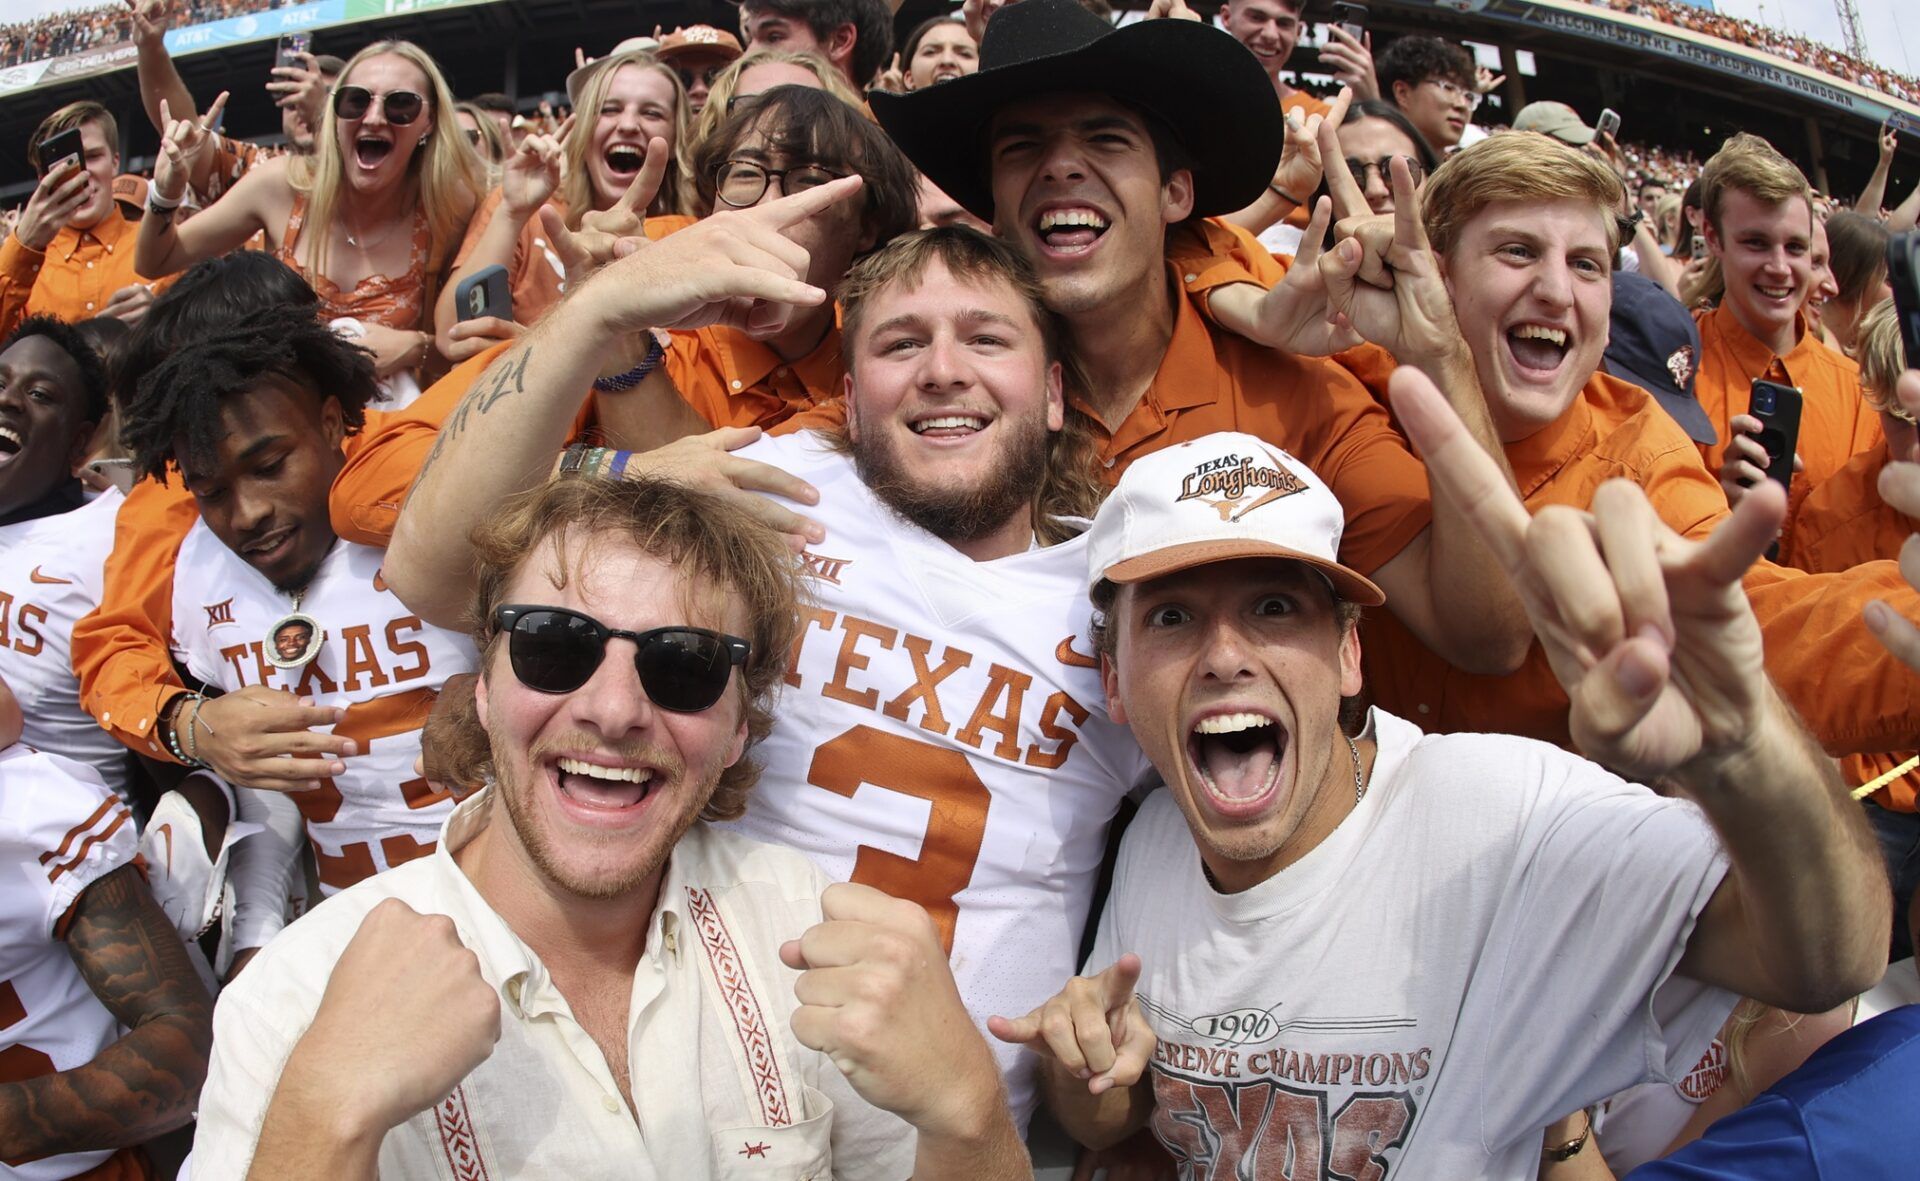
{"points": [[622, 382]]}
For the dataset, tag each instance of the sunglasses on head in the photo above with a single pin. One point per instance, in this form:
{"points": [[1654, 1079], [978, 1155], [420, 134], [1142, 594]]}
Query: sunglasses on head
{"points": [[554, 650], [401, 106]]}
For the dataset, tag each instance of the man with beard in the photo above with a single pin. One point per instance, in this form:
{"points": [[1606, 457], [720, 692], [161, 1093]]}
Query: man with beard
{"points": [[1099, 154], [940, 734], [586, 980]]}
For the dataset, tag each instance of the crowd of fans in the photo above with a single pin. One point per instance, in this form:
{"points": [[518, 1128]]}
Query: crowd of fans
{"points": [[78, 30], [829, 602], [1754, 35]]}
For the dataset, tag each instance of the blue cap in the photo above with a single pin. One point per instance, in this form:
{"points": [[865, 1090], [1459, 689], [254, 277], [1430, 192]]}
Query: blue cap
{"points": [[1654, 344]]}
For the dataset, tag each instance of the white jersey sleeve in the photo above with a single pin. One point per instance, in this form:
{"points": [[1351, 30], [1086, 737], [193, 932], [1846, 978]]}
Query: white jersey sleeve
{"points": [[377, 659], [50, 575], [943, 736], [61, 830]]}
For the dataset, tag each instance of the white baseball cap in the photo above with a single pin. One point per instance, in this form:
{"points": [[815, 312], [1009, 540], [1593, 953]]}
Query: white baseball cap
{"points": [[1215, 498]]}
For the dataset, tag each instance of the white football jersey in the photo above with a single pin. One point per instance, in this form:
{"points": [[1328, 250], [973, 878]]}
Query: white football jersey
{"points": [[943, 736], [50, 575], [61, 830], [379, 660]]}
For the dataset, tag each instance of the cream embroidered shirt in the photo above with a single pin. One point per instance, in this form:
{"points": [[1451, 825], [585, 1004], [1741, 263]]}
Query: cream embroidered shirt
{"points": [[721, 1087]]}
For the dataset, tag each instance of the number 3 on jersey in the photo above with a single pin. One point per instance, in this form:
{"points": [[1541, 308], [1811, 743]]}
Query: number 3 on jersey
{"points": [[956, 822]]}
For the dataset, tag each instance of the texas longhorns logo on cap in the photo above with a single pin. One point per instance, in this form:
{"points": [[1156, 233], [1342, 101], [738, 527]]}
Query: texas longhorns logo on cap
{"points": [[1680, 364], [1225, 480]]}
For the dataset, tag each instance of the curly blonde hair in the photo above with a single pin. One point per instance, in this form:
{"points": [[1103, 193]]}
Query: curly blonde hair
{"points": [[445, 173]]}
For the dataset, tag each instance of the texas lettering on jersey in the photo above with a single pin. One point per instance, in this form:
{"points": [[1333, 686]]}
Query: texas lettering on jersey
{"points": [[376, 659], [1256, 1096]]}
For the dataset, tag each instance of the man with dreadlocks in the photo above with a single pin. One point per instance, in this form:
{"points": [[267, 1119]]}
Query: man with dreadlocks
{"points": [[253, 415]]}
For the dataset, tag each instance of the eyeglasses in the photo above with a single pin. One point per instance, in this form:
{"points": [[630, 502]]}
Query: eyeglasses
{"points": [[401, 106], [741, 183], [1383, 166], [689, 76], [1452, 90], [682, 669]]}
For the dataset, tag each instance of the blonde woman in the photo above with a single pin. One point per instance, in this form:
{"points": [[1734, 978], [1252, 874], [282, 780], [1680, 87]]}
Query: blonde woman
{"points": [[630, 106], [370, 220], [482, 132]]}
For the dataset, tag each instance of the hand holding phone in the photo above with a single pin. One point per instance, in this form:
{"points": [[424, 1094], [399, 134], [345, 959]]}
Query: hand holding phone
{"points": [[486, 292], [1351, 17], [1609, 124], [292, 45], [62, 145]]}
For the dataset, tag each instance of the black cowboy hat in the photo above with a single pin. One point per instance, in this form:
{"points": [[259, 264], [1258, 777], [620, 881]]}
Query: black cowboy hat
{"points": [[1201, 83]]}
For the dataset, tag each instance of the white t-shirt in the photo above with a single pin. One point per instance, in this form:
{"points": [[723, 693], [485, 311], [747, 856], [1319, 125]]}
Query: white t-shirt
{"points": [[943, 737], [721, 1088], [50, 576], [61, 830], [378, 659], [1486, 943]]}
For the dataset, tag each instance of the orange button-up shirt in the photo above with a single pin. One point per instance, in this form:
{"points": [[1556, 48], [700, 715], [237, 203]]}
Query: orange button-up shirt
{"points": [[1811, 623], [730, 379], [1211, 380], [75, 277], [1843, 524], [1835, 424]]}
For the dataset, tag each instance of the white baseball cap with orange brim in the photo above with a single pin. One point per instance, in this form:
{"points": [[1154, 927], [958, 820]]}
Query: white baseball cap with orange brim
{"points": [[1217, 498]]}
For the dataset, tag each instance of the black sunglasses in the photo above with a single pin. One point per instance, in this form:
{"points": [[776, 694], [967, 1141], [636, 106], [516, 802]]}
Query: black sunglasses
{"points": [[402, 106], [554, 650]]}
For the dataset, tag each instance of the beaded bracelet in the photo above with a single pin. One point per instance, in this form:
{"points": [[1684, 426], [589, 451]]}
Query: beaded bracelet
{"points": [[622, 382], [172, 739]]}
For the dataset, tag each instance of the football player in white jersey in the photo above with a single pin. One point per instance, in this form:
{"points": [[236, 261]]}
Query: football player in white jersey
{"points": [[104, 1025], [941, 734], [269, 606], [53, 540]]}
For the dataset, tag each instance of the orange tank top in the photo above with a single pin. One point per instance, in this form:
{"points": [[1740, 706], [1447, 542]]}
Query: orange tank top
{"points": [[395, 301]]}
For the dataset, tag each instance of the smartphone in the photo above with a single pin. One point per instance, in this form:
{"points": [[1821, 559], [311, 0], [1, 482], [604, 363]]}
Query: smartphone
{"points": [[484, 293], [1351, 17], [1609, 124], [291, 46], [117, 473], [59, 146], [1699, 246], [1778, 409], [1903, 273]]}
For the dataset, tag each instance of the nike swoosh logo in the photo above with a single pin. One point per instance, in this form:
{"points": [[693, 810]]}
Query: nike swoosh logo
{"points": [[1066, 655], [47, 579]]}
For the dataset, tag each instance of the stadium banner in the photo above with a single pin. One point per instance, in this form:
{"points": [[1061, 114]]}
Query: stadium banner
{"points": [[255, 26], [233, 30], [22, 76], [1597, 24], [368, 9]]}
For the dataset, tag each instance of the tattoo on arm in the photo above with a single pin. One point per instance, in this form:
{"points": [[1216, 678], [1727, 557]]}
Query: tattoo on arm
{"points": [[507, 378], [147, 1082]]}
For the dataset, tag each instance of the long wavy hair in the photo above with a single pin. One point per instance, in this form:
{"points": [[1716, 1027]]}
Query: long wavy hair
{"points": [[576, 186], [445, 173]]}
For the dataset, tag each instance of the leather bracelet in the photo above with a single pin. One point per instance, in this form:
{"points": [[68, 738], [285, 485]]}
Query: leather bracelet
{"points": [[1571, 1148], [621, 382]]}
